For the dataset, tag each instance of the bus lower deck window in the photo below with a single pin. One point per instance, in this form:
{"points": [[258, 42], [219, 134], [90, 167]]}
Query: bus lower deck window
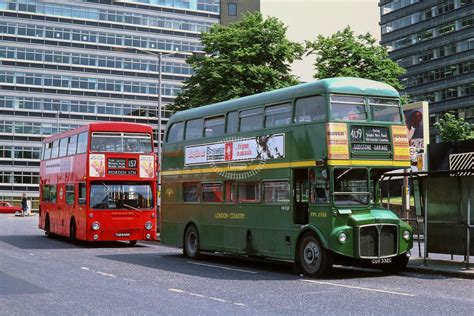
{"points": [[249, 192], [191, 192]]}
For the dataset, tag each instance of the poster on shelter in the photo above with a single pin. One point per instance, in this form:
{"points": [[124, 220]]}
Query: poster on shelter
{"points": [[416, 121]]}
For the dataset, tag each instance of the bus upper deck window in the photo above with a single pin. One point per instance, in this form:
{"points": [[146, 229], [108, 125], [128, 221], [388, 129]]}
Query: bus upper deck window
{"points": [[82, 143], [176, 132], [278, 115], [385, 110], [251, 120], [214, 126], [232, 122], [348, 107], [55, 149], [72, 146], [310, 109], [47, 151], [137, 143], [194, 129]]}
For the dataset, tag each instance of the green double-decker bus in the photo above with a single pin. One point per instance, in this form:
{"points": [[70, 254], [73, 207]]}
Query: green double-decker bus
{"points": [[291, 174]]}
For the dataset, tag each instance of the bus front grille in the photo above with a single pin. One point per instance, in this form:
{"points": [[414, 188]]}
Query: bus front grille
{"points": [[376, 241]]}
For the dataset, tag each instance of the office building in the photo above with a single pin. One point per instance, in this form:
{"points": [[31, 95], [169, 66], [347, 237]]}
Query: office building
{"points": [[434, 42], [66, 63]]}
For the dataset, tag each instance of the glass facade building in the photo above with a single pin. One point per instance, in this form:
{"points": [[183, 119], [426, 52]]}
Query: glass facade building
{"points": [[66, 63], [434, 42]]}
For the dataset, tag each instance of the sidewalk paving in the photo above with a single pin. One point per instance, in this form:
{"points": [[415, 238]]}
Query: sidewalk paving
{"points": [[440, 264]]}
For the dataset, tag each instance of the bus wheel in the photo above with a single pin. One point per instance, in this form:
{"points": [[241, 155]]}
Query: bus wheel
{"points": [[72, 231], [191, 242], [398, 264], [314, 260], [47, 227], [133, 242]]}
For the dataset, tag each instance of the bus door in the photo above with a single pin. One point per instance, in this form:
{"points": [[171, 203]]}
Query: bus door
{"points": [[319, 207], [300, 196], [61, 222]]}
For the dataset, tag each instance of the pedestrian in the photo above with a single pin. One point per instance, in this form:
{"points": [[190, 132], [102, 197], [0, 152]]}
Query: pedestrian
{"points": [[24, 205]]}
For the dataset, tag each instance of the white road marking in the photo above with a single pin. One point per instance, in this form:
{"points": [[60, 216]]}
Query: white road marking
{"points": [[106, 274], [221, 267], [206, 297], [32, 254], [359, 288]]}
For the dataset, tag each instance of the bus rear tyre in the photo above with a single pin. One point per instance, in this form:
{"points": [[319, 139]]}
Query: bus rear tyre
{"points": [[47, 227], [133, 242], [72, 232], [398, 264], [313, 259], [191, 242]]}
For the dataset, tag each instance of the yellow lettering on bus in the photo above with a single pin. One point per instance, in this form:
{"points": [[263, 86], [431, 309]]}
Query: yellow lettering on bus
{"points": [[221, 216]]}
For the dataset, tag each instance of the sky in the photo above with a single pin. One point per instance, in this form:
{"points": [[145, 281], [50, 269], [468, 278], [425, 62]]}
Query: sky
{"points": [[306, 19]]}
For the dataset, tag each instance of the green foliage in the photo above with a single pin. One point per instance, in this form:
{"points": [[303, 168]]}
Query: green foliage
{"points": [[345, 55], [452, 129], [243, 58]]}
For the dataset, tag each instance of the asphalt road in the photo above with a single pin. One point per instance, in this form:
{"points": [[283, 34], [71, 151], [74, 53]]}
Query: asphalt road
{"points": [[53, 277]]}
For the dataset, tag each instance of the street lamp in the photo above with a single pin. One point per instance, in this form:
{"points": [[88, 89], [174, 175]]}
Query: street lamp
{"points": [[160, 56]]}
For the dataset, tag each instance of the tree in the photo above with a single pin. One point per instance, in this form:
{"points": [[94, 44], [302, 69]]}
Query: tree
{"points": [[243, 58], [452, 129], [345, 55]]}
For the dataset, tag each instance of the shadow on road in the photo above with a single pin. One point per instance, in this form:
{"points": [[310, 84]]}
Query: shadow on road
{"points": [[178, 264], [35, 242], [266, 269], [58, 242]]}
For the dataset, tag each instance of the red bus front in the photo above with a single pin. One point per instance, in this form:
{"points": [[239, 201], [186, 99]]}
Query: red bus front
{"points": [[106, 193]]}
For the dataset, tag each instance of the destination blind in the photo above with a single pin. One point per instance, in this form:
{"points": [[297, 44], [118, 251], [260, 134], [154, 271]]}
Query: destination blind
{"points": [[370, 139]]}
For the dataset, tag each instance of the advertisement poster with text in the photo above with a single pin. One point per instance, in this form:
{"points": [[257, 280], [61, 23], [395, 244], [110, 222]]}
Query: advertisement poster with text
{"points": [[147, 166], [97, 165], [257, 148]]}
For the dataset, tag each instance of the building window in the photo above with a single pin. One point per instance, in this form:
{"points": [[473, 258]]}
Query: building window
{"points": [[232, 8]]}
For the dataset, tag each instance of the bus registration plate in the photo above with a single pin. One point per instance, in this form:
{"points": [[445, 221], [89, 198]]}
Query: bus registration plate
{"points": [[122, 234], [382, 261]]}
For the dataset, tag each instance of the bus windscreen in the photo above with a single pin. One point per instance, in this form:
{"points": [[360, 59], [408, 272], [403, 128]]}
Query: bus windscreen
{"points": [[121, 142], [351, 186], [131, 196]]}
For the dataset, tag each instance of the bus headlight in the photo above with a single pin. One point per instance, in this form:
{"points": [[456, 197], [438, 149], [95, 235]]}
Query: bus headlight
{"points": [[406, 235], [342, 237], [95, 226], [148, 225]]}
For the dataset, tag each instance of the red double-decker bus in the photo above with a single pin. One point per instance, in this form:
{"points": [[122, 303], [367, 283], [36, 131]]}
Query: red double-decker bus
{"points": [[98, 183]]}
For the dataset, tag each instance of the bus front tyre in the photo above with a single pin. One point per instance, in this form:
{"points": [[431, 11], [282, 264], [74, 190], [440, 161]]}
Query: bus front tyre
{"points": [[191, 242], [313, 259], [398, 264]]}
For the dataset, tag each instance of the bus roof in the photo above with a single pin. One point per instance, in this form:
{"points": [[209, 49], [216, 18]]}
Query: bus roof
{"points": [[103, 127], [343, 85]]}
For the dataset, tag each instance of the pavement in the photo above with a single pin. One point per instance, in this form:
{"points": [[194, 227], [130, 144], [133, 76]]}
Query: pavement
{"points": [[440, 264]]}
